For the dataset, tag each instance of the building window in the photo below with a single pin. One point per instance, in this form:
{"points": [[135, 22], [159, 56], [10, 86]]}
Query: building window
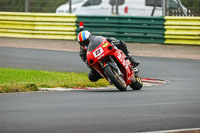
{"points": [[113, 2], [92, 2], [158, 3]]}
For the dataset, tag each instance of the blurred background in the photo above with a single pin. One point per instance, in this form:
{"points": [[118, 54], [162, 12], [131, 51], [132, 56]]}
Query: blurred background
{"points": [[43, 6], [50, 6]]}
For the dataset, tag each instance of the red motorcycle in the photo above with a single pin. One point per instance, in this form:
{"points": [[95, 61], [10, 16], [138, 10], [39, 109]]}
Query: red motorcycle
{"points": [[112, 64]]}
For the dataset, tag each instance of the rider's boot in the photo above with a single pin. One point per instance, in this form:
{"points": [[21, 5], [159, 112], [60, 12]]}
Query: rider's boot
{"points": [[133, 61], [123, 47]]}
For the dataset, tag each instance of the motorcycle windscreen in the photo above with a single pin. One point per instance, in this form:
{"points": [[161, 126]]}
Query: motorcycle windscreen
{"points": [[95, 42]]}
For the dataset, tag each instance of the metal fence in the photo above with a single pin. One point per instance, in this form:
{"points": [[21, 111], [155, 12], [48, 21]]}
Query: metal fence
{"points": [[127, 28], [168, 30], [189, 12], [38, 25], [182, 30]]}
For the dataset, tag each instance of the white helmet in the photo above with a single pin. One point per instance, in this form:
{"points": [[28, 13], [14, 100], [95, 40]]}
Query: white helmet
{"points": [[83, 38]]}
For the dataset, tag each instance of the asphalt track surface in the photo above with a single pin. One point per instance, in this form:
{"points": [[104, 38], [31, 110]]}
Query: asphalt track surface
{"points": [[175, 105]]}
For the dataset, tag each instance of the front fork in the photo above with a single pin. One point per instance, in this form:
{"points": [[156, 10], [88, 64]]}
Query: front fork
{"points": [[112, 63]]}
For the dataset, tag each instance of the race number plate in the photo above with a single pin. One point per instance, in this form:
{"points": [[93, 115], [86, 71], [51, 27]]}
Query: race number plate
{"points": [[98, 52]]}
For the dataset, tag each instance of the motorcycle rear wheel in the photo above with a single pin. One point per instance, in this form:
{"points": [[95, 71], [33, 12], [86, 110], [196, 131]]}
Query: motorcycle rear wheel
{"points": [[138, 84], [115, 78]]}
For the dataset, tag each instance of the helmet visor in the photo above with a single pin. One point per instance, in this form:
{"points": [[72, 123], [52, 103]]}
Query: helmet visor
{"points": [[84, 43]]}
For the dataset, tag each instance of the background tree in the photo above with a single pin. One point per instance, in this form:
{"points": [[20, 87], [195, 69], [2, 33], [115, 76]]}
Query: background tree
{"points": [[35, 5], [191, 3], [193, 6], [12, 5]]}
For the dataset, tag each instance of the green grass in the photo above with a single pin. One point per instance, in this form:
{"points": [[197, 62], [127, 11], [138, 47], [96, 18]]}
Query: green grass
{"points": [[20, 80]]}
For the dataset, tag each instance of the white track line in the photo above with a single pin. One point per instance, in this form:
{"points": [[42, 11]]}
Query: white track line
{"points": [[188, 130]]}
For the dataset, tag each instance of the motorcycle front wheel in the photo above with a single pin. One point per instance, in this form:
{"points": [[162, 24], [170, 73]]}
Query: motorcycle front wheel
{"points": [[115, 78]]}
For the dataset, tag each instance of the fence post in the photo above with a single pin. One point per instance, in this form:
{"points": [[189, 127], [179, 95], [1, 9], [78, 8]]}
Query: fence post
{"points": [[81, 26], [27, 5], [154, 7], [164, 7], [70, 6], [117, 7], [182, 10]]}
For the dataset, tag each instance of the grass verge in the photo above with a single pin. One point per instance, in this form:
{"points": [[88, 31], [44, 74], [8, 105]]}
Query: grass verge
{"points": [[20, 80]]}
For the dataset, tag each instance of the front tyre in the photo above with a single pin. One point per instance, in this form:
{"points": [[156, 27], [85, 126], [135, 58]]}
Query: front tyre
{"points": [[115, 78]]}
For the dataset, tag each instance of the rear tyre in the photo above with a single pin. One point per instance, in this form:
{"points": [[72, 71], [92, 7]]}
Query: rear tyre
{"points": [[115, 78], [137, 85]]}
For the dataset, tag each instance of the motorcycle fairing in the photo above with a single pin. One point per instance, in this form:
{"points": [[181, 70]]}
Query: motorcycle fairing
{"points": [[99, 58]]}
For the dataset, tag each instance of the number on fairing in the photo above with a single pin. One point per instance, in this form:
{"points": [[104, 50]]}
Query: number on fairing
{"points": [[98, 52]]}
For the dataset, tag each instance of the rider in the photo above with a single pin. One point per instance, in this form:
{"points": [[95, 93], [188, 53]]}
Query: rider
{"points": [[84, 38]]}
